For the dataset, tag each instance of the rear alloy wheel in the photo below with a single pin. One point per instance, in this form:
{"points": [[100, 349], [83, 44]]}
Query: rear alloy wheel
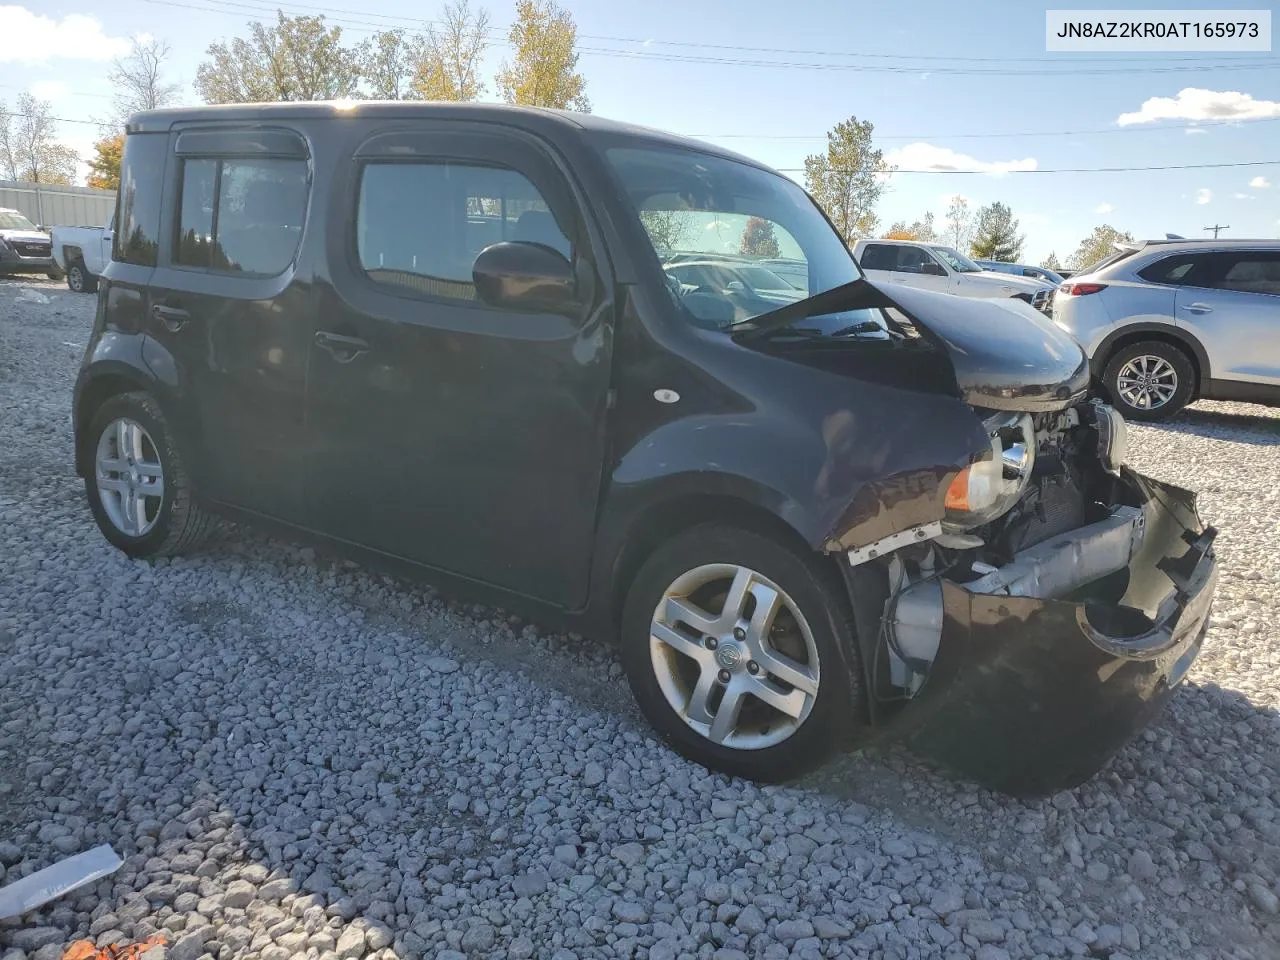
{"points": [[1150, 381], [733, 648], [79, 280], [137, 484]]}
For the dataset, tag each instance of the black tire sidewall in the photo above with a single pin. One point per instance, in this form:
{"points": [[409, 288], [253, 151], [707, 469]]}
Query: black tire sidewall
{"points": [[836, 712], [132, 407], [1181, 364], [73, 271]]}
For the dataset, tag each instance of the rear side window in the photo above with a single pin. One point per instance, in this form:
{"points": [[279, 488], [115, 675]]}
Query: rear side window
{"points": [[241, 216], [138, 200], [420, 226], [1172, 270], [1249, 272], [879, 256]]}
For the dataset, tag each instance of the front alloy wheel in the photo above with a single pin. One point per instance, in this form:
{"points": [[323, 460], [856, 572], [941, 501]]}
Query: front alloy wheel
{"points": [[734, 656], [740, 652]]}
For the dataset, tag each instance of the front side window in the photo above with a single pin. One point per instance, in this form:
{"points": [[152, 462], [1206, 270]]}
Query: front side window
{"points": [[912, 260], [1251, 272], [957, 260], [420, 226], [241, 216], [734, 241]]}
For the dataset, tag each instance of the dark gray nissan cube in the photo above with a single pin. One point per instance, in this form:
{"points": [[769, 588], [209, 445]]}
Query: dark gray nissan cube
{"points": [[636, 385]]}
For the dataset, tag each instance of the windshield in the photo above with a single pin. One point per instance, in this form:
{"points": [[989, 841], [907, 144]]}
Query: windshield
{"points": [[724, 230], [12, 220], [958, 261]]}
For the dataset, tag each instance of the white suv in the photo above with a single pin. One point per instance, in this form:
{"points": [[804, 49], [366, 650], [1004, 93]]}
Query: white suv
{"points": [[934, 266], [1167, 322]]}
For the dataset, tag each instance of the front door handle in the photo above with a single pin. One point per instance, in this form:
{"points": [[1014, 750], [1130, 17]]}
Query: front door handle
{"points": [[343, 348], [1198, 307], [174, 318]]}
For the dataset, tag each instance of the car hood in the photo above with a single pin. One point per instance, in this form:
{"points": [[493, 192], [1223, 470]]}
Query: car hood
{"points": [[25, 236], [1005, 354], [1028, 284]]}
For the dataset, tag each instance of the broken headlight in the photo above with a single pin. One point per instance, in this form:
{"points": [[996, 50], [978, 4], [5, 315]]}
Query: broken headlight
{"points": [[1113, 436], [989, 487]]}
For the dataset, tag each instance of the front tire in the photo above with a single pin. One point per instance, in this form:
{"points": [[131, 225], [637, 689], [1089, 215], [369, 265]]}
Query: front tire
{"points": [[740, 654], [138, 487], [1150, 381], [79, 280]]}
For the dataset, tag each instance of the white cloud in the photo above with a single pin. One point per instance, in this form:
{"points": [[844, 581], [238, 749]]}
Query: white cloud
{"points": [[50, 90], [1192, 131], [926, 156], [1204, 195], [1242, 196], [31, 38], [1104, 208], [1193, 103], [1260, 183], [924, 76]]}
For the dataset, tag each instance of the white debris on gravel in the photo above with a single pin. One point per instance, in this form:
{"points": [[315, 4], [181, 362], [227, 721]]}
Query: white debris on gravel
{"points": [[299, 758]]}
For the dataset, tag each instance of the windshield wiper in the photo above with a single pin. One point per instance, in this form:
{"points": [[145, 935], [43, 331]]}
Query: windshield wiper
{"points": [[853, 295]]}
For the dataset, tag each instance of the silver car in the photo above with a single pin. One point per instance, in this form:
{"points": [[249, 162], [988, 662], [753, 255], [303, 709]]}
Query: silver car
{"points": [[1168, 322]]}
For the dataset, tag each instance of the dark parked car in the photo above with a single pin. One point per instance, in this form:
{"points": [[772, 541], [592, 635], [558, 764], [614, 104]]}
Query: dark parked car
{"points": [[437, 337]]}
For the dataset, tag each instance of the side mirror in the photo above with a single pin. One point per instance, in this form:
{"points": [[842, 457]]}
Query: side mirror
{"points": [[516, 275], [735, 286], [933, 269]]}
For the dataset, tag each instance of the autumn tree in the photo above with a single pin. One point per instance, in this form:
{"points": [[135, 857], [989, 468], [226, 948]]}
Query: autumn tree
{"points": [[297, 58], [543, 72], [1051, 262], [387, 61], [29, 149], [104, 165], [847, 180], [959, 222], [137, 80], [996, 236], [759, 240], [1097, 245], [448, 59], [921, 229], [667, 229]]}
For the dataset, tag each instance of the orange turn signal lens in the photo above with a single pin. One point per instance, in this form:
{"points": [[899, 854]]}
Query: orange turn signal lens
{"points": [[958, 492]]}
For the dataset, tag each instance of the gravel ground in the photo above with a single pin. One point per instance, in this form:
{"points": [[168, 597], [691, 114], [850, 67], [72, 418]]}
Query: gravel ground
{"points": [[299, 758]]}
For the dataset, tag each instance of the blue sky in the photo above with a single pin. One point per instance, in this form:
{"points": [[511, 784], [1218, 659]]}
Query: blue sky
{"points": [[670, 64]]}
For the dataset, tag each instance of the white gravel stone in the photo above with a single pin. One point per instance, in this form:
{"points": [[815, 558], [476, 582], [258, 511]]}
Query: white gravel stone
{"points": [[302, 757]]}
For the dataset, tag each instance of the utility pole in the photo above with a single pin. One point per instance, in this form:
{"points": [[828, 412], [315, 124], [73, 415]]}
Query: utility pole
{"points": [[1216, 227]]}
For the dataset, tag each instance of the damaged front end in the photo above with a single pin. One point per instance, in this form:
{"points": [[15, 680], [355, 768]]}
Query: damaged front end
{"points": [[1027, 636]]}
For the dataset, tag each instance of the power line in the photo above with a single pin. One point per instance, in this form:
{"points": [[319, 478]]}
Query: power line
{"points": [[1070, 68], [991, 136], [1172, 166], [1216, 228]]}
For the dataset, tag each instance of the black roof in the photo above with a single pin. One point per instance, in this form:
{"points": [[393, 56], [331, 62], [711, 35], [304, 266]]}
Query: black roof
{"points": [[536, 119]]}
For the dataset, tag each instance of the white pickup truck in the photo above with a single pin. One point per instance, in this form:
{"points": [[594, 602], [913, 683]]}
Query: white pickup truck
{"points": [[934, 266], [83, 253]]}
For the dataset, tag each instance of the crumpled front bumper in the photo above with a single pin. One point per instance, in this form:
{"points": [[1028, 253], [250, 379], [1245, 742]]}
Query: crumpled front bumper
{"points": [[1030, 696]]}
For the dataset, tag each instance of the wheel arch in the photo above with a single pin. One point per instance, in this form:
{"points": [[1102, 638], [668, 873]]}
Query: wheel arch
{"points": [[97, 389], [1174, 336]]}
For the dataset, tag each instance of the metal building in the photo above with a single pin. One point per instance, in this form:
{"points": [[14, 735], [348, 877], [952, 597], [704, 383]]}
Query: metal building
{"points": [[54, 205]]}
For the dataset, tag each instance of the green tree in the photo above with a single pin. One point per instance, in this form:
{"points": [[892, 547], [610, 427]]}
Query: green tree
{"points": [[959, 222], [29, 149], [847, 180], [387, 62], [996, 236], [297, 58], [1051, 262], [758, 238], [543, 72], [448, 60], [1097, 245], [667, 229], [104, 165]]}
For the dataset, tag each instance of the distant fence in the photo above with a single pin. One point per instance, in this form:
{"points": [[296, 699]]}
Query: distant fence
{"points": [[52, 205]]}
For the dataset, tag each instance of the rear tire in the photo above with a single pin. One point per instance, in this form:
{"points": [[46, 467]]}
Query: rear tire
{"points": [[785, 679], [132, 450], [1150, 381], [79, 280]]}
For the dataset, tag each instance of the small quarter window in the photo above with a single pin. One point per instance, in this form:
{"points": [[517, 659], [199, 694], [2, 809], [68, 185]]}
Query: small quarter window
{"points": [[420, 226], [241, 216], [1171, 270]]}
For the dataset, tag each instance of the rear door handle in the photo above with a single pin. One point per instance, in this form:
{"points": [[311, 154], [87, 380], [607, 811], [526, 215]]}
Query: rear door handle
{"points": [[343, 348], [1198, 307], [172, 317]]}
